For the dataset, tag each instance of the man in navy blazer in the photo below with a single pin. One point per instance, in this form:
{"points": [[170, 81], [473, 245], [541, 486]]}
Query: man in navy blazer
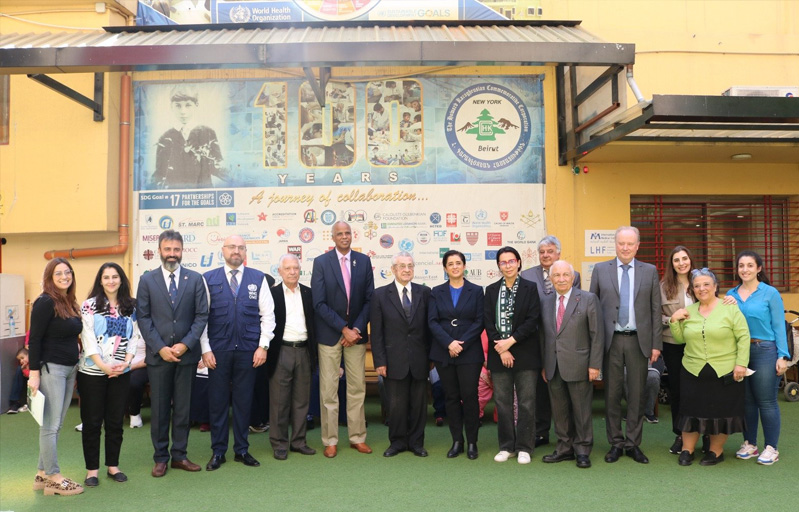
{"points": [[400, 344], [342, 285], [172, 310], [548, 253], [632, 339]]}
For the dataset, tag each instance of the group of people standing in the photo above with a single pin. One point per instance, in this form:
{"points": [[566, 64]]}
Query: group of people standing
{"points": [[547, 339]]}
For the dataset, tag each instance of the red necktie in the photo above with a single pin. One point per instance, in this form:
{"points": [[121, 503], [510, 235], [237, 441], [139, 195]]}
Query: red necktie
{"points": [[561, 311]]}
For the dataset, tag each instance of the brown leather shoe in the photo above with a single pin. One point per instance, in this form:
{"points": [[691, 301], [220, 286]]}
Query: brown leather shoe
{"points": [[159, 469], [330, 451], [185, 465], [361, 447]]}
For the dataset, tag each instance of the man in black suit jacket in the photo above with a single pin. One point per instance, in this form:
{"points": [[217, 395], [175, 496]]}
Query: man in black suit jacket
{"points": [[292, 357], [172, 311], [400, 344], [342, 285], [548, 253]]}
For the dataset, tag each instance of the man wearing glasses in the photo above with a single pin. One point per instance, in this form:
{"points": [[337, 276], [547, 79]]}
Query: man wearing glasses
{"points": [[241, 324]]}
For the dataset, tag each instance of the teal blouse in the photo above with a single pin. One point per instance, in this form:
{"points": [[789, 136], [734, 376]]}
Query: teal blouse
{"points": [[721, 339]]}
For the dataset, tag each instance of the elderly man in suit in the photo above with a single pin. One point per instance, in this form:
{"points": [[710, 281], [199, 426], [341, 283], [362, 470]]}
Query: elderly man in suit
{"points": [[548, 253], [400, 344], [241, 323], [292, 357], [629, 293], [573, 349], [172, 310], [342, 285]]}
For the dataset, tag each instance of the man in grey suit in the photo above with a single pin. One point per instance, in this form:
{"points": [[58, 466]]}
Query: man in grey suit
{"points": [[548, 253], [629, 293], [172, 311], [573, 349]]}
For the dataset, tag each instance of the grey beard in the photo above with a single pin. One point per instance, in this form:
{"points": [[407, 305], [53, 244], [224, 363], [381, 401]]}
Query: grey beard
{"points": [[171, 265]]}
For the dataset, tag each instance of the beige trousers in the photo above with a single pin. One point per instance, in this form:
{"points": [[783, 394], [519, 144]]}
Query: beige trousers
{"points": [[354, 368]]}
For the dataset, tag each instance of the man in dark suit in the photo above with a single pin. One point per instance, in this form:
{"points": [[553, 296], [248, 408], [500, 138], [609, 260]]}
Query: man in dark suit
{"points": [[259, 415], [241, 323], [172, 310], [400, 345], [548, 253], [573, 349], [291, 360], [629, 293], [342, 285]]}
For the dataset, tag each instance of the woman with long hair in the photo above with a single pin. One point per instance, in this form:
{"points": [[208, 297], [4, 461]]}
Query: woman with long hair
{"points": [[110, 338], [53, 356], [763, 309], [675, 294]]}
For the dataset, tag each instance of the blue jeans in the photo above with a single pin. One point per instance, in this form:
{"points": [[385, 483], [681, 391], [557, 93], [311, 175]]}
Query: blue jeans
{"points": [[57, 382], [761, 394]]}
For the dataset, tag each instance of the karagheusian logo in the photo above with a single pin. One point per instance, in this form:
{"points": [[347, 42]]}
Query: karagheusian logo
{"points": [[487, 126]]}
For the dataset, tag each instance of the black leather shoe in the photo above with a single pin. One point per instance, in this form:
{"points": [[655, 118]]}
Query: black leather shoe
{"points": [[540, 441], [613, 455], [471, 451], [215, 462], [676, 447], [246, 459], [583, 461], [281, 454], [304, 449], [92, 481], [310, 423], [119, 476], [419, 452], [457, 449], [637, 455], [391, 451], [557, 457], [711, 459], [686, 458]]}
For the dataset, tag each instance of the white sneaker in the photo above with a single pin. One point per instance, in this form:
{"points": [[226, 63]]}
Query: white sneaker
{"points": [[769, 456], [79, 427], [135, 421], [503, 456], [524, 458], [747, 451]]}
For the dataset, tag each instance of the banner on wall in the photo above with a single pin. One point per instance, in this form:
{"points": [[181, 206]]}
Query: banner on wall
{"points": [[420, 164], [192, 12]]}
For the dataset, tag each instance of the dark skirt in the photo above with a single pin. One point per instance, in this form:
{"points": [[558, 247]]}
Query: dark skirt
{"points": [[711, 404]]}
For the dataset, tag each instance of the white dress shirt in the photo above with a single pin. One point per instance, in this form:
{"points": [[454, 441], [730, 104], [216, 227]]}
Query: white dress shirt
{"points": [[295, 329]]}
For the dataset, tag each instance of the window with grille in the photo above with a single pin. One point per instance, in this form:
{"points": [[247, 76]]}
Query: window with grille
{"points": [[716, 228]]}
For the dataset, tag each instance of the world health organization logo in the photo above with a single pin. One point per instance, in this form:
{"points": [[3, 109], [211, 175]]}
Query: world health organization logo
{"points": [[240, 14], [487, 126]]}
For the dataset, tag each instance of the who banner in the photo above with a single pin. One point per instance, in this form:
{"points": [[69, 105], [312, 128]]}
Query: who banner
{"points": [[415, 164]]}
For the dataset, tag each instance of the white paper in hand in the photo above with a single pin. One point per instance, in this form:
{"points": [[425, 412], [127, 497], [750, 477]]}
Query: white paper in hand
{"points": [[36, 406]]}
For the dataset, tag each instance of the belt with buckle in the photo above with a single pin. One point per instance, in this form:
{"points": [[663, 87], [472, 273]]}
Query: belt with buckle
{"points": [[295, 344], [454, 322], [626, 333]]}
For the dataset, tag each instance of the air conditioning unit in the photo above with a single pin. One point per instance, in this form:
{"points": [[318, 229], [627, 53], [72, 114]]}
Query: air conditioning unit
{"points": [[762, 90]]}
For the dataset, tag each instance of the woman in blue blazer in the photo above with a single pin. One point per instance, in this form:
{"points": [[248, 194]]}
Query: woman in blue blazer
{"points": [[455, 314]]}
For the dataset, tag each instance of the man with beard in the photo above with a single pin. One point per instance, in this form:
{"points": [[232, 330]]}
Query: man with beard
{"points": [[240, 327], [172, 310]]}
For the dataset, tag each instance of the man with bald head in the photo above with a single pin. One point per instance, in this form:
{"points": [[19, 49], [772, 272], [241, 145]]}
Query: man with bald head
{"points": [[342, 285], [573, 350], [241, 324]]}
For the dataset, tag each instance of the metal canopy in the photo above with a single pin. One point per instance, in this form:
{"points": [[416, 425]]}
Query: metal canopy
{"points": [[310, 45], [698, 119]]}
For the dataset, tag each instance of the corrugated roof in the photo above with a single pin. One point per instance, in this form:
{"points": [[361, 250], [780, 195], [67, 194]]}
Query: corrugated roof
{"points": [[291, 45]]}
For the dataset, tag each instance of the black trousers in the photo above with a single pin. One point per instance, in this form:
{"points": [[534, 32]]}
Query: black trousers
{"points": [[460, 391], [407, 411], [672, 356], [138, 381], [102, 402], [170, 404]]}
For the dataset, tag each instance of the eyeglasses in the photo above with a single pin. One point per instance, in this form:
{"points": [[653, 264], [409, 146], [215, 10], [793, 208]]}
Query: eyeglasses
{"points": [[508, 263], [241, 248], [404, 266], [65, 273], [704, 271]]}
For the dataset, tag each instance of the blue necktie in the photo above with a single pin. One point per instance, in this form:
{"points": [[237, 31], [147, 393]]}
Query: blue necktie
{"points": [[406, 302], [234, 283], [624, 297], [173, 289]]}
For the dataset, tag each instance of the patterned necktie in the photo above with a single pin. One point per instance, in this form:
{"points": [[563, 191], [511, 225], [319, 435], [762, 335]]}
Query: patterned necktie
{"points": [[234, 283], [624, 297], [561, 311], [547, 283], [173, 289], [406, 302], [345, 273]]}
